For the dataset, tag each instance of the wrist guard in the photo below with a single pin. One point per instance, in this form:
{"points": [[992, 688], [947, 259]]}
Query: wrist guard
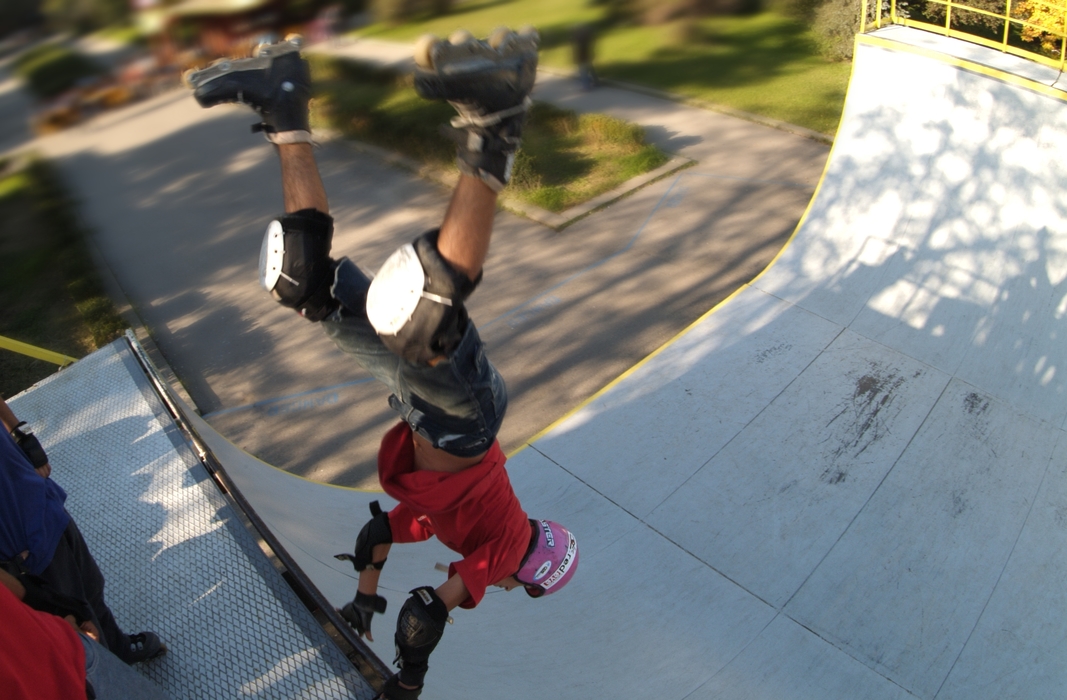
{"points": [[30, 446], [360, 611]]}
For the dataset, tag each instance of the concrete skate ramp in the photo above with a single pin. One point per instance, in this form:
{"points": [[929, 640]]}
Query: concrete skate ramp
{"points": [[847, 481]]}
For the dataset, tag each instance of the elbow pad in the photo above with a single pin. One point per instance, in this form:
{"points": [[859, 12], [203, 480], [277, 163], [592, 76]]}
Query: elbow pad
{"points": [[377, 531]]}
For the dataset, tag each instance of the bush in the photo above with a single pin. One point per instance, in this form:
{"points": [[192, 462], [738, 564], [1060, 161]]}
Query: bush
{"points": [[836, 23], [835, 26], [50, 70], [803, 10]]}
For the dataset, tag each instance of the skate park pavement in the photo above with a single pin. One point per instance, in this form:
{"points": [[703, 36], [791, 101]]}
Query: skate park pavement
{"points": [[846, 481], [179, 197]]}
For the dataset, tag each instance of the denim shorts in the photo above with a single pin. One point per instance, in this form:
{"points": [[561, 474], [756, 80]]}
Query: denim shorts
{"points": [[457, 405]]}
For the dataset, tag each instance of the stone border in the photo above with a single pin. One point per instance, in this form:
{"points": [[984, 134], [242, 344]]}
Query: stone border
{"points": [[578, 211], [553, 220]]}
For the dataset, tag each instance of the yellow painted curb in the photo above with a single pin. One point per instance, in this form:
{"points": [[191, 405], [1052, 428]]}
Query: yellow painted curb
{"points": [[35, 352]]}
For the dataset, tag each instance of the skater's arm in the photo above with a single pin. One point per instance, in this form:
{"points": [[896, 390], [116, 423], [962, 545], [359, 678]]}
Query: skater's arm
{"points": [[301, 183], [368, 578], [12, 584], [26, 441], [453, 591], [15, 586], [7, 417]]}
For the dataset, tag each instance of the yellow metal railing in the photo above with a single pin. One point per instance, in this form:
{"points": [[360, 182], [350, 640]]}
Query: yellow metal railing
{"points": [[1047, 43], [35, 352]]}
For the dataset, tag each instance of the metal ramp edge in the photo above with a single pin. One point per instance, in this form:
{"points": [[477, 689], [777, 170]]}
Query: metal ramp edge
{"points": [[355, 649], [182, 553]]}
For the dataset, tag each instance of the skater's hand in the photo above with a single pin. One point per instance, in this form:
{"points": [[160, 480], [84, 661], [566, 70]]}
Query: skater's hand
{"points": [[360, 612]]}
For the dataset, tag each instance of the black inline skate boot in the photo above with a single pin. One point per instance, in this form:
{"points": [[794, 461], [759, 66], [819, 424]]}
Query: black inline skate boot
{"points": [[275, 82], [489, 83]]}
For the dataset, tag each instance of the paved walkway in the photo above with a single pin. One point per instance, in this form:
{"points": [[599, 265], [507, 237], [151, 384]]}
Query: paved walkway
{"points": [[179, 197]]}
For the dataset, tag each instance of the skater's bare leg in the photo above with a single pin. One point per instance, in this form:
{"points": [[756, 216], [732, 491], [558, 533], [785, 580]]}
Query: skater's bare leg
{"points": [[468, 226], [464, 243], [302, 186]]}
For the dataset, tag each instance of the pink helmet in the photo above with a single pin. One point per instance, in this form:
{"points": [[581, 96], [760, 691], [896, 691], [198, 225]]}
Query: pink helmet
{"points": [[551, 561]]}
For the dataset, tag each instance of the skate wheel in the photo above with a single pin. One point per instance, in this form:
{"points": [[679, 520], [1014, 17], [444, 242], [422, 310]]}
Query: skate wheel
{"points": [[499, 37], [189, 78], [460, 37], [424, 49], [295, 39], [528, 31]]}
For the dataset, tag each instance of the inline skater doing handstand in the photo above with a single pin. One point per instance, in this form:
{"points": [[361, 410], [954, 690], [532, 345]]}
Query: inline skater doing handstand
{"points": [[409, 328]]}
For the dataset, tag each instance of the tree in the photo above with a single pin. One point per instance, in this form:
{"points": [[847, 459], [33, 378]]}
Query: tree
{"points": [[837, 22], [1049, 18], [963, 18]]}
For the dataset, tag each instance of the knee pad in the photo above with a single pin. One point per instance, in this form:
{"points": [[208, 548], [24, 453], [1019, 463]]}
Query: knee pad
{"points": [[419, 627], [415, 302], [295, 265]]}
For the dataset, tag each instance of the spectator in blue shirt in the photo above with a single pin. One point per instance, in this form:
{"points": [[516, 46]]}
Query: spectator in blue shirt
{"points": [[39, 539]]}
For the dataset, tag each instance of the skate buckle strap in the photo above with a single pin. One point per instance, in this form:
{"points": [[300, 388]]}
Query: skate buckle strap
{"points": [[281, 138], [286, 137], [464, 121]]}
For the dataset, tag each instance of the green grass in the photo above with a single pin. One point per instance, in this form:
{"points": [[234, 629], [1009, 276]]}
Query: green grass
{"points": [[767, 64], [50, 294], [566, 159], [122, 34]]}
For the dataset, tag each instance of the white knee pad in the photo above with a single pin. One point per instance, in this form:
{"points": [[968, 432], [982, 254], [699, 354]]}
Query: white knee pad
{"points": [[415, 302]]}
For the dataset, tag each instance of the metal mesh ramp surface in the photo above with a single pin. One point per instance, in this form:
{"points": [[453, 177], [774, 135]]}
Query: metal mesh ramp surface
{"points": [[176, 556]]}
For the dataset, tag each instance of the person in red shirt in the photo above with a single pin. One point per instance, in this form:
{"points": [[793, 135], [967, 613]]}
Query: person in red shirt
{"points": [[46, 657], [410, 329]]}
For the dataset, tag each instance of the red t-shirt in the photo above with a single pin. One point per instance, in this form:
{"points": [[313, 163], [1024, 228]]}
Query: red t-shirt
{"points": [[41, 656], [473, 511]]}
